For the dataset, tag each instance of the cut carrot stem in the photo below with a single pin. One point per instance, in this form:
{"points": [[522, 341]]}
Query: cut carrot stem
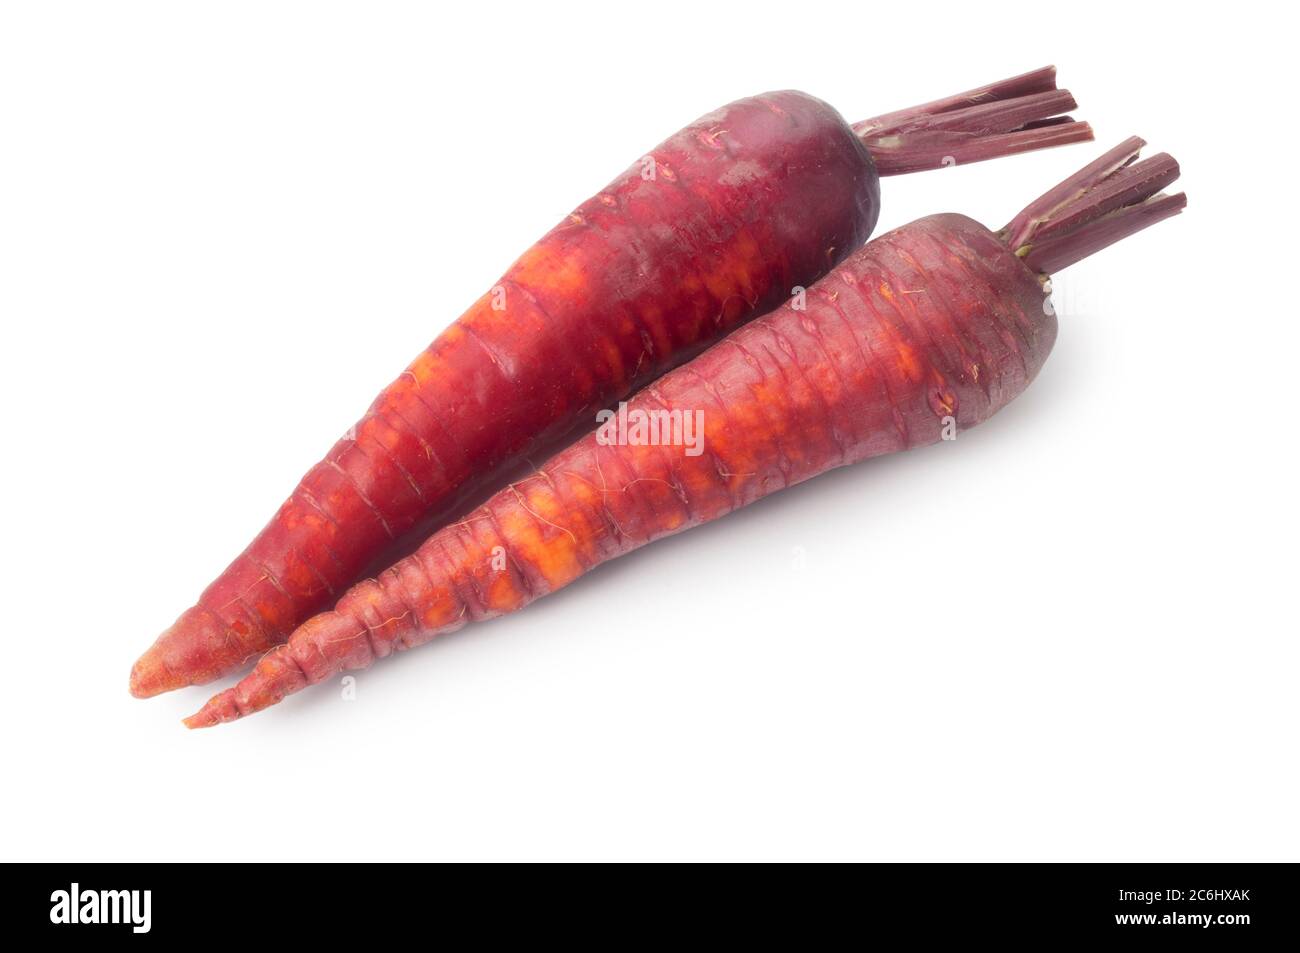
{"points": [[1056, 254], [1037, 211], [1001, 116], [1104, 202], [1132, 184], [1036, 81], [919, 154], [1001, 119]]}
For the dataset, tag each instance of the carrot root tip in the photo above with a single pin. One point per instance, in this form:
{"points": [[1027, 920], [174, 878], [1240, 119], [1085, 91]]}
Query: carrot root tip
{"points": [[151, 676]]}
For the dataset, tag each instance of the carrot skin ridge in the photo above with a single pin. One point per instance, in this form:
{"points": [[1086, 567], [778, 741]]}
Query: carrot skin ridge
{"points": [[874, 364], [738, 210]]}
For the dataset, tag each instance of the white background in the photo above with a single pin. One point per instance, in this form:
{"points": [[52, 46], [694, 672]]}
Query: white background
{"points": [[1069, 635]]}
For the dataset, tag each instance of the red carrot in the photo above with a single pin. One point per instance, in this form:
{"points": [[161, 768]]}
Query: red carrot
{"points": [[935, 325], [715, 226]]}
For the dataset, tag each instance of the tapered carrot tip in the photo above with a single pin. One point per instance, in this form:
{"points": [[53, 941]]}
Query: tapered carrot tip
{"points": [[149, 676], [220, 708], [276, 675], [178, 657], [209, 714]]}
